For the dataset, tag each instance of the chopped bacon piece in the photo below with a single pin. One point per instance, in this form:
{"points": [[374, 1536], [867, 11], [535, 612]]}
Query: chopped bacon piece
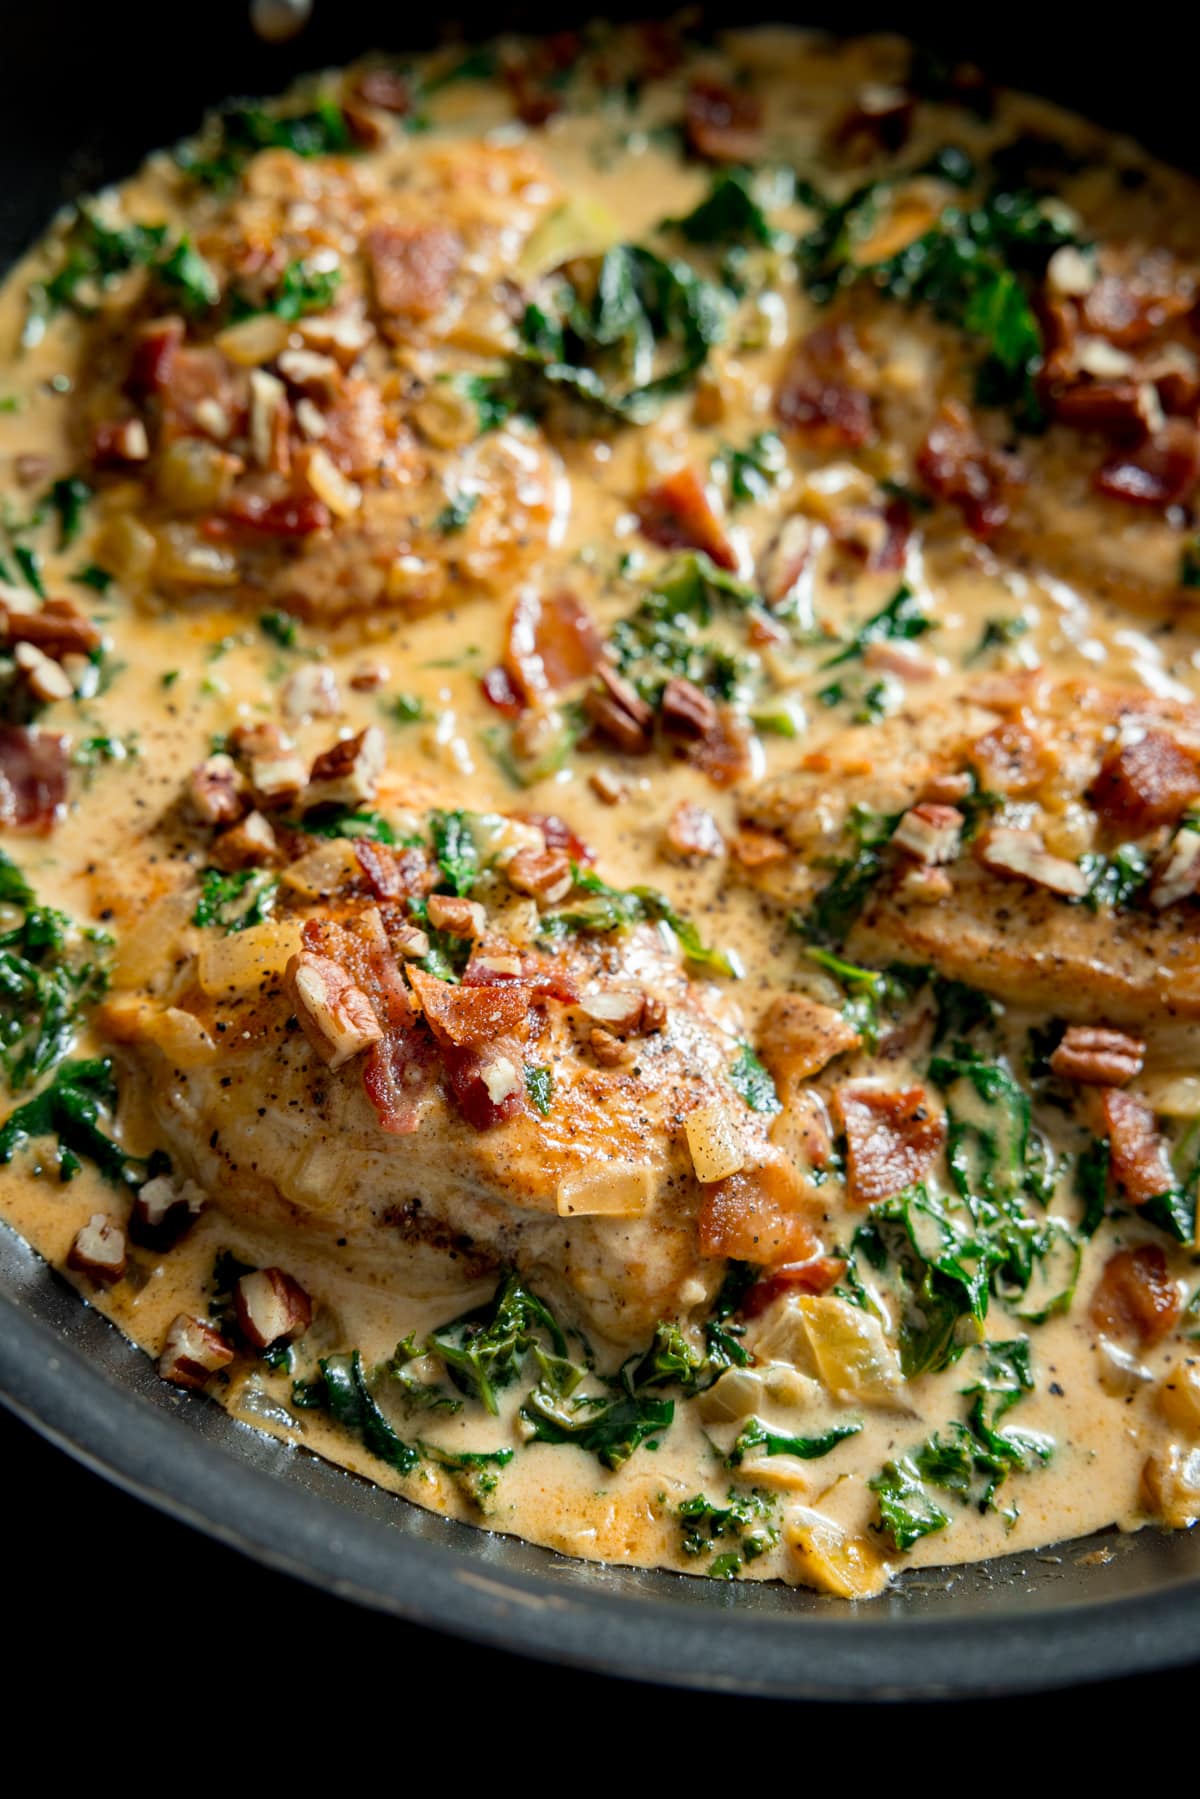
{"points": [[500, 692], [799, 1036], [1111, 407], [816, 399], [397, 1072], [153, 360], [1098, 1058], [1129, 310], [469, 1017], [692, 834], [754, 848], [1135, 1296], [33, 777], [355, 438], [203, 395], [815, 1276], [1138, 1154], [893, 1137], [880, 119], [679, 514], [1163, 471], [486, 1085], [392, 874], [1145, 783], [292, 516], [957, 466], [551, 643], [756, 1216], [724, 755], [724, 124], [559, 835], [412, 267]]}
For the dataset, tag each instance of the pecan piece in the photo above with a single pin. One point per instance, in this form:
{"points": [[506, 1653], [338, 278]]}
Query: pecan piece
{"points": [[617, 711], [100, 1249], [217, 791], [1177, 875], [692, 834], [1097, 1057], [336, 1016], [457, 916], [192, 1352], [1023, 855], [545, 875], [1135, 1296], [687, 710], [930, 832], [163, 1211], [269, 1306], [347, 773]]}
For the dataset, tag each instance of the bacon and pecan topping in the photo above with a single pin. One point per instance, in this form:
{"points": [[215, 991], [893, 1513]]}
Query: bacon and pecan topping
{"points": [[816, 1276], [893, 1137], [680, 513], [1139, 1162], [1135, 1296], [756, 1215], [412, 267], [552, 642], [1145, 783], [33, 777], [957, 466], [1097, 1057]]}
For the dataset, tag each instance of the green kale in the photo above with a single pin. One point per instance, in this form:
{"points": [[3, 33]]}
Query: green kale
{"points": [[455, 516], [304, 286], [960, 1010], [1189, 563], [456, 851], [349, 821], [835, 910], [240, 131], [1091, 1184], [906, 1509], [69, 499], [186, 274], [606, 909], [753, 1081], [405, 708], [69, 1109], [281, 628], [757, 1435], [754, 471], [49, 971], [486, 1348], [234, 902], [539, 1085], [728, 214], [472, 1469], [900, 620], [1116, 881], [342, 1390], [748, 1517]]}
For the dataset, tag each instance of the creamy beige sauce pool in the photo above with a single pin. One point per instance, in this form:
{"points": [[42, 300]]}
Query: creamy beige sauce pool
{"points": [[1097, 598]]}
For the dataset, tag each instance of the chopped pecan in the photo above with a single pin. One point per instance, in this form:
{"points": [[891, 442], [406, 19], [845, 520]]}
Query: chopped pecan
{"points": [[270, 1307], [930, 832], [1145, 783], [311, 692], [680, 513], [1098, 1057], [754, 848], [1023, 856], [545, 875], [692, 834], [617, 711], [346, 774], [1177, 873], [58, 629], [608, 1048], [687, 710], [409, 941], [44, 677], [193, 1352], [1139, 1161], [100, 1249], [626, 1011], [818, 1275], [163, 1210], [607, 786], [387, 89], [217, 791], [336, 1016], [277, 780], [249, 844], [457, 916], [724, 753], [1135, 1296], [893, 1137]]}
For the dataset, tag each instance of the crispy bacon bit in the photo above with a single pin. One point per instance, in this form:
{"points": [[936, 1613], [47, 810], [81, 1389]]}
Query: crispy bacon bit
{"points": [[880, 119], [412, 267], [815, 397], [1135, 1296], [680, 513], [391, 874], [1139, 1162], [1023, 856], [544, 875], [270, 1307], [687, 710], [930, 833], [893, 1137], [756, 1216], [203, 395], [336, 1016], [1163, 471], [193, 1352], [816, 1276], [469, 1017], [617, 711], [119, 441], [755, 848], [692, 834], [355, 436], [499, 691], [296, 515], [558, 835], [1145, 783], [1114, 408], [33, 777], [1098, 1057], [486, 1085], [398, 1071], [957, 466], [799, 1036], [58, 629], [724, 753], [1128, 310], [100, 1250], [724, 124], [1011, 760], [552, 642], [153, 359]]}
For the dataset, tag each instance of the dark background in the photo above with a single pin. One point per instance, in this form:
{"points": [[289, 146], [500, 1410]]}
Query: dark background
{"points": [[92, 1578]]}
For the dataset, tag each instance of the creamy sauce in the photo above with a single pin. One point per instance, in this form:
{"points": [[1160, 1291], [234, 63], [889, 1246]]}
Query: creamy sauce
{"points": [[1094, 586]]}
